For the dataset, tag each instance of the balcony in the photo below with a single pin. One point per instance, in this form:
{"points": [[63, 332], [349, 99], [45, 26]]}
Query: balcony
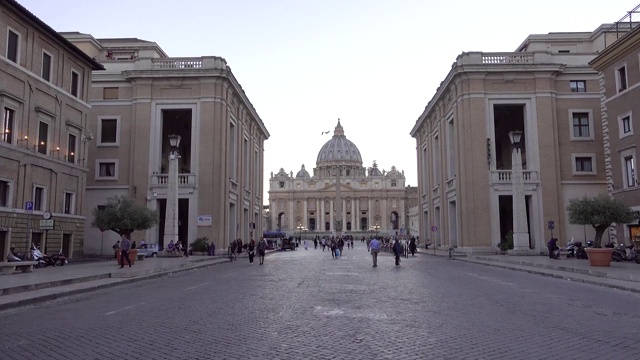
{"points": [[247, 194], [162, 180], [504, 176]]}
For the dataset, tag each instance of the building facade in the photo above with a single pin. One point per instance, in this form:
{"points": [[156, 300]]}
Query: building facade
{"points": [[44, 87], [365, 202], [143, 97], [476, 188], [618, 68]]}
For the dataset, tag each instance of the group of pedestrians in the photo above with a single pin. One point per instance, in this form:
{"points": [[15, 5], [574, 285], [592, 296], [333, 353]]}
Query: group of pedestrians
{"points": [[236, 247]]}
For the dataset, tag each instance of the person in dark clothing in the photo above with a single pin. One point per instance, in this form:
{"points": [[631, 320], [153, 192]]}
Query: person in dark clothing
{"points": [[412, 246], [397, 251], [125, 245], [251, 249], [552, 245], [262, 248]]}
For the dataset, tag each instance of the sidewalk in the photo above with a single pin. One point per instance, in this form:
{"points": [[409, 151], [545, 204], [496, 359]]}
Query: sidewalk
{"points": [[620, 275], [53, 282]]}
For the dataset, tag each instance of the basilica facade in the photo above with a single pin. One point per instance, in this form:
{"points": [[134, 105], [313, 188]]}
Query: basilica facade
{"points": [[340, 196]]}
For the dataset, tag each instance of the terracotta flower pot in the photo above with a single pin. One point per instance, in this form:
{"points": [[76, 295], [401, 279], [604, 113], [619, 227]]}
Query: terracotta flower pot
{"points": [[133, 255], [599, 256]]}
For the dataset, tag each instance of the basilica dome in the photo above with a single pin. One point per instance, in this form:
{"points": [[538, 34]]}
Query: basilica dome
{"points": [[339, 150]]}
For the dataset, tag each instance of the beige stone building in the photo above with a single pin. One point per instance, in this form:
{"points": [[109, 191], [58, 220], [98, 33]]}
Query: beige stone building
{"points": [[371, 200], [618, 68], [546, 90], [143, 97], [44, 86]]}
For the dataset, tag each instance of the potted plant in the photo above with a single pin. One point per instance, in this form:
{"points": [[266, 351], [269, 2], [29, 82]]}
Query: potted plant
{"points": [[506, 243], [600, 212], [200, 246]]}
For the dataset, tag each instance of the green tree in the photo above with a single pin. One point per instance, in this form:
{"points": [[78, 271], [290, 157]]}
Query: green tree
{"points": [[123, 216], [600, 212]]}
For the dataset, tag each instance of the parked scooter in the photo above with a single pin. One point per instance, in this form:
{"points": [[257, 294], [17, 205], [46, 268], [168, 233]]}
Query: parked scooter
{"points": [[59, 259], [625, 253], [575, 249]]}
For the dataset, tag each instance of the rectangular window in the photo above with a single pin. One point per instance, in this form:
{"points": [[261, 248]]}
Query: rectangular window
{"points": [[43, 137], [46, 66], [71, 148], [107, 169], [13, 46], [621, 78], [4, 193], [75, 84], [630, 173], [584, 164], [578, 85], [626, 124], [108, 131], [38, 198], [68, 203], [7, 125], [581, 125]]}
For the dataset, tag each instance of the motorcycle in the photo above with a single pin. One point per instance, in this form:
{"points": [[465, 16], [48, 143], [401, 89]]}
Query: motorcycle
{"points": [[623, 252], [575, 249], [43, 260], [59, 259]]}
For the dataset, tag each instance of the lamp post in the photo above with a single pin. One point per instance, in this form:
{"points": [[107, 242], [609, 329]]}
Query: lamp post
{"points": [[300, 228], [520, 229], [375, 228], [171, 213]]}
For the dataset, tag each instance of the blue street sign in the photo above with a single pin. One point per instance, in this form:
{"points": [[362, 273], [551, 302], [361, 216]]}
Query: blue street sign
{"points": [[28, 206]]}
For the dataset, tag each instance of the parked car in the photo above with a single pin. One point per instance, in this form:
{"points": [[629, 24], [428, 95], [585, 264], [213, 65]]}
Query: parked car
{"points": [[149, 250]]}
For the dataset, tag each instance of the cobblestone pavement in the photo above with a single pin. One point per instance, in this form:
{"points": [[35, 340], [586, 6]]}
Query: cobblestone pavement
{"points": [[306, 305]]}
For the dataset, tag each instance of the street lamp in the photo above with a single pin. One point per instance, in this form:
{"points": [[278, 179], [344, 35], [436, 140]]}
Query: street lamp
{"points": [[375, 228], [171, 213], [520, 229], [300, 228]]}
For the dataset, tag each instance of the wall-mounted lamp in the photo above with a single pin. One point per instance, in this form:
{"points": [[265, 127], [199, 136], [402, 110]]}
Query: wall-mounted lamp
{"points": [[23, 139], [155, 194]]}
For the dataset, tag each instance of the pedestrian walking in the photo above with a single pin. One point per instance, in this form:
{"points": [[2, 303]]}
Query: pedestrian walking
{"points": [[412, 246], [125, 245], [315, 242], [262, 248], [251, 247], [397, 251], [116, 246], [324, 243], [306, 243], [374, 245]]}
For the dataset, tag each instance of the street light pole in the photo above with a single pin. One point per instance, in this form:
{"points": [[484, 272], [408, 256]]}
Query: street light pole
{"points": [[520, 229], [171, 213]]}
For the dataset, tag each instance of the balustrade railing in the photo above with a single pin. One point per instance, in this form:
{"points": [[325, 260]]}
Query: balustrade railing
{"points": [[177, 63], [505, 176], [488, 58], [183, 180]]}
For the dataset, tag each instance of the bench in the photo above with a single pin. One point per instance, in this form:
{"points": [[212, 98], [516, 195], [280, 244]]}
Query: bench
{"points": [[13, 266]]}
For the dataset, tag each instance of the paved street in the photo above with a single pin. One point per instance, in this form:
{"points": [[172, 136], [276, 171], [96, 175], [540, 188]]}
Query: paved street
{"points": [[306, 305]]}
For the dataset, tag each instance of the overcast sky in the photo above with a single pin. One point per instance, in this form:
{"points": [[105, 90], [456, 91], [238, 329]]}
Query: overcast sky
{"points": [[305, 63]]}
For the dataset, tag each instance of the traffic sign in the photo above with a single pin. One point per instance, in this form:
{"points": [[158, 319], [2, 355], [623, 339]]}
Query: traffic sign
{"points": [[551, 225], [28, 206], [434, 228]]}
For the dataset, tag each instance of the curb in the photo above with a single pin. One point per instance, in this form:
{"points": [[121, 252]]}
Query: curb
{"points": [[122, 281], [561, 275]]}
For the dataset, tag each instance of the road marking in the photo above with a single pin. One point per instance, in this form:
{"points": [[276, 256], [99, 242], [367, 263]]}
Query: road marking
{"points": [[123, 309], [197, 286]]}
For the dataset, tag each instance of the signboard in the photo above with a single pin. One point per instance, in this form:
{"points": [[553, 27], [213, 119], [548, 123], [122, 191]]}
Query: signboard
{"points": [[551, 225], [28, 206], [46, 224], [205, 220], [434, 228]]}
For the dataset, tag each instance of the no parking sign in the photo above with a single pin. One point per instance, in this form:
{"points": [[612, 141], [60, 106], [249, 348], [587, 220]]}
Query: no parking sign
{"points": [[434, 228]]}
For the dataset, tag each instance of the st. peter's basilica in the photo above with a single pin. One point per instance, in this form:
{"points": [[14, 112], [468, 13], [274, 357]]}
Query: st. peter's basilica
{"points": [[367, 201]]}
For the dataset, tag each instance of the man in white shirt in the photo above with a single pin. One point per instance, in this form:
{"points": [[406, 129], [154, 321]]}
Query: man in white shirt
{"points": [[374, 245]]}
